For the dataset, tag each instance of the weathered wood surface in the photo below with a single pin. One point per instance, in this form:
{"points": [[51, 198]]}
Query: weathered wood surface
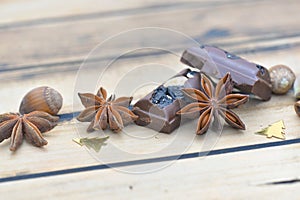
{"points": [[251, 174], [45, 44]]}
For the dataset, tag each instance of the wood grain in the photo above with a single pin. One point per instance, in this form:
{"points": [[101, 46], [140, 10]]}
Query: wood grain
{"points": [[62, 153], [231, 176], [44, 43], [72, 41]]}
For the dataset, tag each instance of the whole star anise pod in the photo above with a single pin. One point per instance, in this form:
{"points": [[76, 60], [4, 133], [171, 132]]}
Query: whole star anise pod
{"points": [[31, 126], [213, 102], [104, 113]]}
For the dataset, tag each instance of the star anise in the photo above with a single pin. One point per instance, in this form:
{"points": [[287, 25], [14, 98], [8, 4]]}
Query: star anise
{"points": [[31, 126], [104, 113], [213, 102]]}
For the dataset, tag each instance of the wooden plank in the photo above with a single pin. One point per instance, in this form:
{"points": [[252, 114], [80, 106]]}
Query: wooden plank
{"points": [[25, 11], [229, 176], [33, 12], [66, 86], [42, 70], [45, 47], [67, 42], [63, 149], [249, 45], [60, 145], [62, 153]]}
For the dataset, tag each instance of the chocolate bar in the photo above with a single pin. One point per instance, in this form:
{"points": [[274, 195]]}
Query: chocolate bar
{"points": [[157, 110], [247, 77]]}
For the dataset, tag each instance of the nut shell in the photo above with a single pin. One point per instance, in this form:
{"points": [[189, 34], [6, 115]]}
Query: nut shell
{"points": [[297, 108], [282, 79], [42, 99]]}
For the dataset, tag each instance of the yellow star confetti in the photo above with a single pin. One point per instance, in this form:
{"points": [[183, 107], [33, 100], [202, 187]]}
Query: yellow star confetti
{"points": [[274, 130], [95, 143]]}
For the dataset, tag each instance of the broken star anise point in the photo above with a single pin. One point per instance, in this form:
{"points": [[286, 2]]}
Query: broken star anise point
{"points": [[105, 112], [29, 126], [211, 102]]}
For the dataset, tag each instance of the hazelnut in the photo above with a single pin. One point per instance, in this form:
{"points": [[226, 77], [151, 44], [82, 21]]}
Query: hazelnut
{"points": [[282, 79], [41, 99], [297, 108]]}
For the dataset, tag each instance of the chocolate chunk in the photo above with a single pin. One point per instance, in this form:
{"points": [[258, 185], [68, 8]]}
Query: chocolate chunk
{"points": [[157, 110], [247, 77]]}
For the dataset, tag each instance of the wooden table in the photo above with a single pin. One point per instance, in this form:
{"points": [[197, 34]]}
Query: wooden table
{"points": [[45, 43]]}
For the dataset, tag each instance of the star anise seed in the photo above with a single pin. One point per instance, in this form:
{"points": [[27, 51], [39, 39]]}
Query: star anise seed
{"points": [[212, 102], [31, 126], [104, 113]]}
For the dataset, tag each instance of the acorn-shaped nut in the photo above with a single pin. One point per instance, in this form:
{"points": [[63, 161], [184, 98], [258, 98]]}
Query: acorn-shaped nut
{"points": [[297, 108], [282, 79], [41, 99]]}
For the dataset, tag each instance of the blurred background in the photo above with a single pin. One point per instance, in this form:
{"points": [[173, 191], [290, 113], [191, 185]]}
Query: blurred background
{"points": [[41, 40]]}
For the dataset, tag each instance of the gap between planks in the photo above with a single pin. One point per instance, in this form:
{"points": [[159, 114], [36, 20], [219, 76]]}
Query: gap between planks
{"points": [[152, 160], [230, 176]]}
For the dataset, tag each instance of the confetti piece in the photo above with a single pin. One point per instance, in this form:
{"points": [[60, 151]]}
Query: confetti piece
{"points": [[276, 130], [91, 143]]}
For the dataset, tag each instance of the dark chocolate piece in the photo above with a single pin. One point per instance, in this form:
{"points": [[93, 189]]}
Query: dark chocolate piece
{"points": [[247, 77], [157, 110]]}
